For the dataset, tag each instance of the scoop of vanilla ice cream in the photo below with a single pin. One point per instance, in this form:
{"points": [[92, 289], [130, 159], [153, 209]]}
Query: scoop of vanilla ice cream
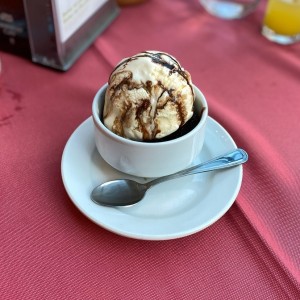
{"points": [[149, 96]]}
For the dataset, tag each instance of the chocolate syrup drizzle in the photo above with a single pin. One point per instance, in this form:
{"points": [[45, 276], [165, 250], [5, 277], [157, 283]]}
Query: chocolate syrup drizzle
{"points": [[157, 58]]}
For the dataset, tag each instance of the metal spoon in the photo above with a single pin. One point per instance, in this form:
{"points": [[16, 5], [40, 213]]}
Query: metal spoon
{"points": [[125, 192]]}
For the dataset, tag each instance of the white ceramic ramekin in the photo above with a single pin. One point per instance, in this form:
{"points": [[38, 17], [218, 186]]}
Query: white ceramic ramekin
{"points": [[148, 159]]}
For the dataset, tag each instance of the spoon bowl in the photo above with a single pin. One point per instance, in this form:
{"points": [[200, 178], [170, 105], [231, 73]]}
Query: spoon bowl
{"points": [[119, 192], [126, 192]]}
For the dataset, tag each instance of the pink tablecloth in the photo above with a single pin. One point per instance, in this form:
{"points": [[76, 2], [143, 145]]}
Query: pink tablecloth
{"points": [[49, 250]]}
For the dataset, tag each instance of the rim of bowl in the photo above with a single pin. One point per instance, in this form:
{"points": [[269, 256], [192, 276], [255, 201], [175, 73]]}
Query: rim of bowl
{"points": [[106, 131]]}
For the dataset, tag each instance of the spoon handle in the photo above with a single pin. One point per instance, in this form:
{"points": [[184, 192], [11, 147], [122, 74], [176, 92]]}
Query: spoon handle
{"points": [[231, 159]]}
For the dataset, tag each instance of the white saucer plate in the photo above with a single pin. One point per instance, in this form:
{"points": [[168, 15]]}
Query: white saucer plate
{"points": [[170, 210]]}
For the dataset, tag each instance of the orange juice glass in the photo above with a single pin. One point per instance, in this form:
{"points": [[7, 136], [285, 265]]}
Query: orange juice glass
{"points": [[282, 21]]}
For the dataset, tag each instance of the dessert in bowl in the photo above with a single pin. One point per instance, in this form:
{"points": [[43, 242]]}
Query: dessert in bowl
{"points": [[149, 119]]}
